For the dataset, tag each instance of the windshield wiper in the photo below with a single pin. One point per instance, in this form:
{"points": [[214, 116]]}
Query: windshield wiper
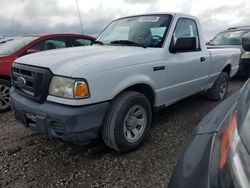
{"points": [[98, 42], [127, 42]]}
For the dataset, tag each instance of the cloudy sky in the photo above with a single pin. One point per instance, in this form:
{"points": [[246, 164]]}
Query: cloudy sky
{"points": [[22, 17]]}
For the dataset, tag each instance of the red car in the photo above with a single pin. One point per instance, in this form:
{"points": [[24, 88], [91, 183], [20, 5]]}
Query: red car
{"points": [[27, 45]]}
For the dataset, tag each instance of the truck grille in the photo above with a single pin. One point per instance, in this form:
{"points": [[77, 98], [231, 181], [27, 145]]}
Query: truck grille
{"points": [[31, 81]]}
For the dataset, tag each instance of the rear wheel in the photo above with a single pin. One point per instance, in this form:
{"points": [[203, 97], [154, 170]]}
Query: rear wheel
{"points": [[128, 122], [219, 90], [4, 95]]}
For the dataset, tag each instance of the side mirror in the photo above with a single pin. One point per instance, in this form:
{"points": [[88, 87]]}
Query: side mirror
{"points": [[31, 51], [246, 42], [184, 44]]}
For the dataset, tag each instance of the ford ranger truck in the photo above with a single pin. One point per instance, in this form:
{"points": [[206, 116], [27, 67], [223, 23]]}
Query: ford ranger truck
{"points": [[137, 65]]}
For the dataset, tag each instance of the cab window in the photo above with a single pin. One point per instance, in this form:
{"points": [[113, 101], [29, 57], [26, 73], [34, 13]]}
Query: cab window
{"points": [[186, 28]]}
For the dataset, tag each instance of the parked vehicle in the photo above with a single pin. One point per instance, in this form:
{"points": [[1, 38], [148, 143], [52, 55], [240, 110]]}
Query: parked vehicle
{"points": [[28, 45], [218, 153], [232, 38], [138, 64]]}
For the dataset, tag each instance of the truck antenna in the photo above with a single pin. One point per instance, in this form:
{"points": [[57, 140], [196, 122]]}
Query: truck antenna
{"points": [[79, 15]]}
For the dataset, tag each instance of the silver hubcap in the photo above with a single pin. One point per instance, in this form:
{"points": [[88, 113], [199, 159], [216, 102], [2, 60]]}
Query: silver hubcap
{"points": [[4, 97], [223, 89], [135, 123]]}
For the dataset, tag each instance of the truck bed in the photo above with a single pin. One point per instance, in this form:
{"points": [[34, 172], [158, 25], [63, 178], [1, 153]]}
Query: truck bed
{"points": [[221, 57]]}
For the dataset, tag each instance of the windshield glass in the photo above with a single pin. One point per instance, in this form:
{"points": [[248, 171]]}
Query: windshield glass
{"points": [[15, 45], [228, 38], [146, 31]]}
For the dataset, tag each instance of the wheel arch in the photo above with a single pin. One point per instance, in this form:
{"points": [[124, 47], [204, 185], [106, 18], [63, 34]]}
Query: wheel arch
{"points": [[143, 88], [227, 69]]}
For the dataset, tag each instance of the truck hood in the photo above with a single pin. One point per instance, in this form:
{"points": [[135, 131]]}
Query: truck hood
{"points": [[91, 58]]}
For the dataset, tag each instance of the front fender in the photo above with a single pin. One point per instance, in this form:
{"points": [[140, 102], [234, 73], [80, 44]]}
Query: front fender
{"points": [[131, 81]]}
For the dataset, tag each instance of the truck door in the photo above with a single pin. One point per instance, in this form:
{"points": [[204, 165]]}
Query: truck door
{"points": [[187, 70]]}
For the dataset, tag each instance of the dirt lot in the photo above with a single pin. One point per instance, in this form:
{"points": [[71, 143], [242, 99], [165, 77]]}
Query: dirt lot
{"points": [[27, 159]]}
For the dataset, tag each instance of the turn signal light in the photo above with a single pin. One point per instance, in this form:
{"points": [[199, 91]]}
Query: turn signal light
{"points": [[81, 90], [226, 141]]}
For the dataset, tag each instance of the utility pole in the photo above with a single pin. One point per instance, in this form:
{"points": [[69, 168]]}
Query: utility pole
{"points": [[79, 15]]}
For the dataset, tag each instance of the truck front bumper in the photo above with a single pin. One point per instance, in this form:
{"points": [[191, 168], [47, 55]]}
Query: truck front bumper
{"points": [[69, 123]]}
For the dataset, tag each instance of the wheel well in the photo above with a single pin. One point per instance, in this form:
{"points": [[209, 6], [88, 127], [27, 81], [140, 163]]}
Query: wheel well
{"points": [[144, 89], [227, 69], [3, 77]]}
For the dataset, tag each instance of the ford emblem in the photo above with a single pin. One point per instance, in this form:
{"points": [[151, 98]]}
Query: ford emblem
{"points": [[20, 81]]}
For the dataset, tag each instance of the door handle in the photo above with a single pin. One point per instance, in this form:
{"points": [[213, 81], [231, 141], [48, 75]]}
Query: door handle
{"points": [[158, 68], [202, 59]]}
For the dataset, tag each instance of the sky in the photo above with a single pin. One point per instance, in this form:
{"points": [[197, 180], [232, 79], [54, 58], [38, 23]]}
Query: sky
{"points": [[23, 17]]}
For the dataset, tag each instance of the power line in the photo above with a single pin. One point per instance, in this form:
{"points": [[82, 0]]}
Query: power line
{"points": [[79, 15]]}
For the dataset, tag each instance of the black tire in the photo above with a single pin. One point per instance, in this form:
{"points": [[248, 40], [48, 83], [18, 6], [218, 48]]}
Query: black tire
{"points": [[215, 93], [114, 129], [4, 95]]}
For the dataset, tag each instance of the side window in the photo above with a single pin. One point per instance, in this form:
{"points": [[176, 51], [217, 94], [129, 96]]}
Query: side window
{"points": [[54, 43], [39, 46], [186, 28], [81, 42], [47, 44]]}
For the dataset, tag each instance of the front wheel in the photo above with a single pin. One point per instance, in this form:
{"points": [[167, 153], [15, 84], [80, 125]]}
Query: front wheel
{"points": [[219, 90], [4, 95], [128, 122]]}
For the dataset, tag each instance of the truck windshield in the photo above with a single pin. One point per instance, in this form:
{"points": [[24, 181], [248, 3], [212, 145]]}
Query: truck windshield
{"points": [[144, 31], [14, 45], [228, 38]]}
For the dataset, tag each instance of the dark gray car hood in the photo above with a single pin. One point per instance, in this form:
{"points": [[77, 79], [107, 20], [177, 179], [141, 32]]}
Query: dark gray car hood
{"points": [[212, 121], [244, 116]]}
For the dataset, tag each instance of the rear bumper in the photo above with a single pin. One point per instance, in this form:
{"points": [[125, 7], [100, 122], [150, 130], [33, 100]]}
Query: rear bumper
{"points": [[68, 123]]}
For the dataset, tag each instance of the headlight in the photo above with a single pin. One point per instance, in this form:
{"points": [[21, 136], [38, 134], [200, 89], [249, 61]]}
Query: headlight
{"points": [[234, 158], [246, 55], [68, 88]]}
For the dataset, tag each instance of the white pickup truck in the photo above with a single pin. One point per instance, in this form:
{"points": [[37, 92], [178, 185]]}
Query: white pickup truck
{"points": [[137, 65]]}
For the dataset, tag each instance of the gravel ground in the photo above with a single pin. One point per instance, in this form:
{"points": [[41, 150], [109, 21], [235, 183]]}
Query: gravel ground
{"points": [[28, 159]]}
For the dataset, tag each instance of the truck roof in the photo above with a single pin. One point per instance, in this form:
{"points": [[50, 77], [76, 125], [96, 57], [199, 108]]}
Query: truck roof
{"points": [[170, 13], [239, 28]]}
